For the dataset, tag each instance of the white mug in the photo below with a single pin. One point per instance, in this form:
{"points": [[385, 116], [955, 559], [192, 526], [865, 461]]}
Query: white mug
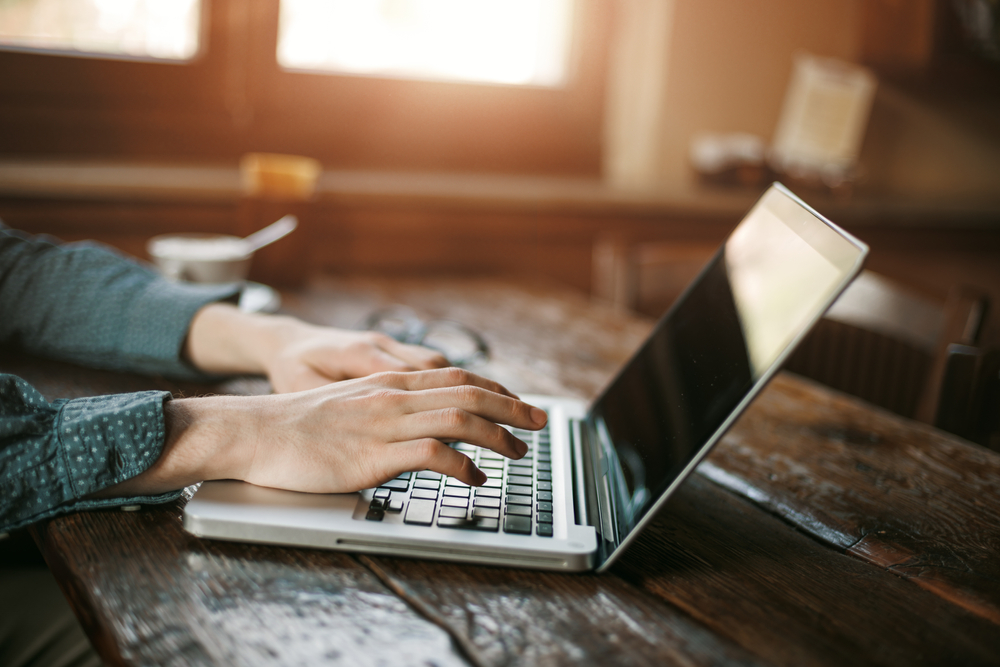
{"points": [[201, 258]]}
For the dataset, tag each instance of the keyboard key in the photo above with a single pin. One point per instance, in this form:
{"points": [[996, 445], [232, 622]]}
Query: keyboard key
{"points": [[544, 458], [491, 456], [483, 524], [377, 504], [454, 482], [396, 485], [453, 512], [456, 491], [486, 512], [544, 507], [486, 502], [493, 484], [520, 468], [488, 493], [429, 474], [519, 479], [519, 510], [519, 490], [426, 494], [492, 473], [395, 506], [519, 500], [420, 512], [490, 464], [426, 484], [517, 524], [455, 502], [544, 466], [545, 486], [545, 495], [404, 475], [375, 514], [544, 517], [464, 447], [544, 529], [544, 477], [382, 493]]}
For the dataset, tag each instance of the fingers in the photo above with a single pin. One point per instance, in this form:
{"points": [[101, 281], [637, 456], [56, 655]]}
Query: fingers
{"points": [[451, 377], [481, 402], [453, 424], [420, 358], [432, 454]]}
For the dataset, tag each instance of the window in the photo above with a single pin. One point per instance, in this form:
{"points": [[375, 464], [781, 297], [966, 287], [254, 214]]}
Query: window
{"points": [[226, 77], [160, 29], [488, 41]]}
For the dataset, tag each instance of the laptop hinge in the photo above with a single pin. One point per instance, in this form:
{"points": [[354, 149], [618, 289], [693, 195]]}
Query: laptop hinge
{"points": [[589, 474], [577, 456]]}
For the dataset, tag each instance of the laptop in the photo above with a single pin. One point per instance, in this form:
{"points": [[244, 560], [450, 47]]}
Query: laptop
{"points": [[598, 472]]}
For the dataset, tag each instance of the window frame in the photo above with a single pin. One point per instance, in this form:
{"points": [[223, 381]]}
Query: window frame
{"points": [[233, 97]]}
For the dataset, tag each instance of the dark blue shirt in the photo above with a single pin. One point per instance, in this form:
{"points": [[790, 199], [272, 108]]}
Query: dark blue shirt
{"points": [[85, 304]]}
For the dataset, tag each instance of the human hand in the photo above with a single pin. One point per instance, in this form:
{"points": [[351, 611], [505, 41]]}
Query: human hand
{"points": [[340, 437], [295, 355], [311, 356]]}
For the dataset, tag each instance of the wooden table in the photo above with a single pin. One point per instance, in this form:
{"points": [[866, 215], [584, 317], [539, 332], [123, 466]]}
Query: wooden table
{"points": [[820, 532]]}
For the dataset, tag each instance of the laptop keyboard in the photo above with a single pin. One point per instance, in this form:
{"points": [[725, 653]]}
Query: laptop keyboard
{"points": [[516, 498]]}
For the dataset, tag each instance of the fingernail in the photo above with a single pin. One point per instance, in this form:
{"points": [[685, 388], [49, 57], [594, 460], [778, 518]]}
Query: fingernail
{"points": [[522, 449], [538, 416]]}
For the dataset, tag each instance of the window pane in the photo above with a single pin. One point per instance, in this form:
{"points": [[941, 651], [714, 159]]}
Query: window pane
{"points": [[492, 41], [167, 29]]}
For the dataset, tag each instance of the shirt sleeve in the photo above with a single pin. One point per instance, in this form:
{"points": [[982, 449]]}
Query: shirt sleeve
{"points": [[52, 455], [87, 304]]}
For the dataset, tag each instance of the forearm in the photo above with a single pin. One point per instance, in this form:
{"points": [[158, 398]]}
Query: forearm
{"points": [[89, 305], [55, 456]]}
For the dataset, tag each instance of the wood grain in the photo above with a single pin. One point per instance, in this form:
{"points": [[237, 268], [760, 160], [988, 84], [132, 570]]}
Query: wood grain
{"points": [[720, 578], [510, 617], [790, 599], [151, 594], [895, 493]]}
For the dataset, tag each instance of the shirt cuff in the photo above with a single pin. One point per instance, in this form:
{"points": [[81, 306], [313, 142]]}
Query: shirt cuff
{"points": [[109, 439]]}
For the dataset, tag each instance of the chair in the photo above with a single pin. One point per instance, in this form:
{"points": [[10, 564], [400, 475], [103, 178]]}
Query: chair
{"points": [[879, 341]]}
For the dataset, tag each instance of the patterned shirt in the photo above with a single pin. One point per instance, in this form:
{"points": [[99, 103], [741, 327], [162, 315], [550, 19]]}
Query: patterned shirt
{"points": [[85, 304]]}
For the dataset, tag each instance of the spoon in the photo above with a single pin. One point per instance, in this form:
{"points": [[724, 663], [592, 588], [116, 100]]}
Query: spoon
{"points": [[271, 233]]}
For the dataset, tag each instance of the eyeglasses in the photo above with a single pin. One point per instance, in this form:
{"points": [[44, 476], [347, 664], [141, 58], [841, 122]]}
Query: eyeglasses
{"points": [[462, 346]]}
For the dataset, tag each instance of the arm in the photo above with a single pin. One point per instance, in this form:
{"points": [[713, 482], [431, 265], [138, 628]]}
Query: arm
{"points": [[295, 355], [86, 304], [339, 437], [111, 451]]}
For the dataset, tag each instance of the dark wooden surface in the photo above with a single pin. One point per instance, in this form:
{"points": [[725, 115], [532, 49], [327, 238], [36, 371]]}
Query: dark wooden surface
{"points": [[820, 532]]}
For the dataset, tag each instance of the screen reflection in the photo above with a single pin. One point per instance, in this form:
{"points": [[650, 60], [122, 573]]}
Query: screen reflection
{"points": [[756, 295]]}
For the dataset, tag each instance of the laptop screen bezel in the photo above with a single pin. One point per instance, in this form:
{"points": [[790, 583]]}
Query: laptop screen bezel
{"points": [[612, 548]]}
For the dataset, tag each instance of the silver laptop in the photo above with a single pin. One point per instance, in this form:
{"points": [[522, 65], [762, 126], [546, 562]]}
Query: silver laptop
{"points": [[599, 472]]}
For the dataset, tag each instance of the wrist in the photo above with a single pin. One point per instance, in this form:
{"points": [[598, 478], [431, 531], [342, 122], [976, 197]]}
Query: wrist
{"points": [[224, 340], [205, 438]]}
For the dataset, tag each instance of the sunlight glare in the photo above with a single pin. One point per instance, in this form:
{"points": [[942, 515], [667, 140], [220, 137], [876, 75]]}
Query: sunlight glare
{"points": [[494, 41]]}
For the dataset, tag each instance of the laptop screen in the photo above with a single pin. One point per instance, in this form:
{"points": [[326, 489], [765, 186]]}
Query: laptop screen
{"points": [[779, 270]]}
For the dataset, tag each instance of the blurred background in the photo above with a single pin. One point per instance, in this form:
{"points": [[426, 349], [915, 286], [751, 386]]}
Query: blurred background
{"points": [[605, 144], [608, 145]]}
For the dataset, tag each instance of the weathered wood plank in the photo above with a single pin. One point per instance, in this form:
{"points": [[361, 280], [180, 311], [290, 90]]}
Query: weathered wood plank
{"points": [[789, 599], [508, 617], [892, 492], [150, 594]]}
